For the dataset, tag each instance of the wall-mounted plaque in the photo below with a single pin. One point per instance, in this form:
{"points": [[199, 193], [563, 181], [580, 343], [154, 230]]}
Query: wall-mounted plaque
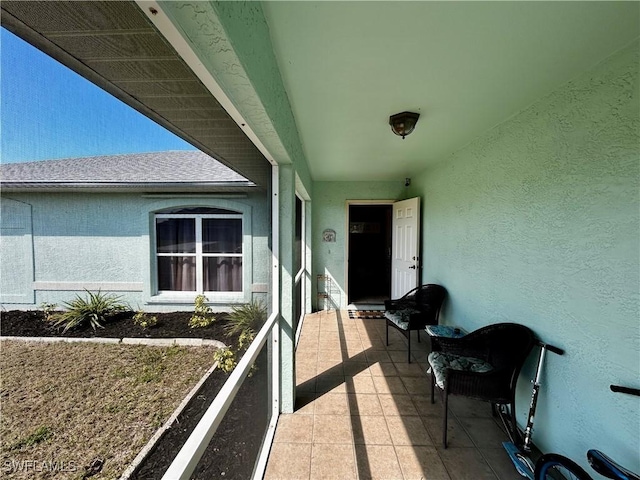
{"points": [[329, 235]]}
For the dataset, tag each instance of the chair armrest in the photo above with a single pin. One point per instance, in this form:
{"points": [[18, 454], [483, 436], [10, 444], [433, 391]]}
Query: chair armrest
{"points": [[448, 344], [399, 304]]}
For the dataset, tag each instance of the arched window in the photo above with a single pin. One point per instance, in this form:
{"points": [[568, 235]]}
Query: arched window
{"points": [[199, 250]]}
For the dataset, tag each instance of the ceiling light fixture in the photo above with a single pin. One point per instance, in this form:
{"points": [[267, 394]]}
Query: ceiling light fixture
{"points": [[402, 124]]}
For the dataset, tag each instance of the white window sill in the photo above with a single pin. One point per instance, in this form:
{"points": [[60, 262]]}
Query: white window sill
{"points": [[188, 298]]}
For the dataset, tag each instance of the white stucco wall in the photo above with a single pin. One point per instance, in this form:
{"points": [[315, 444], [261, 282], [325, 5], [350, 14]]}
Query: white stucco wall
{"points": [[103, 241], [538, 222]]}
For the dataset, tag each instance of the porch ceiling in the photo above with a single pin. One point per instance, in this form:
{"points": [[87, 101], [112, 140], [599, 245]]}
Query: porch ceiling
{"points": [[464, 66], [346, 66]]}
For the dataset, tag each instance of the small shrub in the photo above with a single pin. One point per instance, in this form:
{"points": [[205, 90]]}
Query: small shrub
{"points": [[49, 310], [145, 320], [202, 315], [245, 321], [200, 321], [93, 310], [226, 359]]}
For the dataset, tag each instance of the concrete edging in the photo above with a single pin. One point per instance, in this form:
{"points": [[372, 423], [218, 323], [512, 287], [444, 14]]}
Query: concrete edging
{"points": [[152, 342]]}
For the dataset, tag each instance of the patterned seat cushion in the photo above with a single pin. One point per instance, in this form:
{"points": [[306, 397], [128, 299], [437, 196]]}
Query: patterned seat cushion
{"points": [[400, 317], [440, 361]]}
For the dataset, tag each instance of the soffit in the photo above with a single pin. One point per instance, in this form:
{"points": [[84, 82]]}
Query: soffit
{"points": [[114, 45]]}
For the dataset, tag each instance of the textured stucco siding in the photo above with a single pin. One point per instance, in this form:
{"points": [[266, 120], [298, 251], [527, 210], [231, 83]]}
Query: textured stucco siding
{"points": [[538, 222], [93, 240], [16, 252], [84, 239], [330, 211]]}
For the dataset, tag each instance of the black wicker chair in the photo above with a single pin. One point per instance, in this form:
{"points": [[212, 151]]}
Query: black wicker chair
{"points": [[484, 364], [414, 311]]}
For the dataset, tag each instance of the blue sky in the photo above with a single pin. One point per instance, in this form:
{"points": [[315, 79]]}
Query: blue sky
{"points": [[50, 112]]}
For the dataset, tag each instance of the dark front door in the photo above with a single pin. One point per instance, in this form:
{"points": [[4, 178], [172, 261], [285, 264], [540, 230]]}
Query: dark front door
{"points": [[369, 253]]}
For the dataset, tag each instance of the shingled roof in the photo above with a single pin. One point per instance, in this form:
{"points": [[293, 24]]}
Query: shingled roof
{"points": [[169, 170]]}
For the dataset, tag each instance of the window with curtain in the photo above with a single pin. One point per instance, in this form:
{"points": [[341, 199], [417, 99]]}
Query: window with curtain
{"points": [[199, 250]]}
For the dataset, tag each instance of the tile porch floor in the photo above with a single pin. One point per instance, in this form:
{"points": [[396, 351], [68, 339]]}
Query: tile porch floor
{"points": [[362, 412]]}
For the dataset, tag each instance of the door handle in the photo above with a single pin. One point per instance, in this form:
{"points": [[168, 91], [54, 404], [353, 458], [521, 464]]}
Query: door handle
{"points": [[413, 267]]}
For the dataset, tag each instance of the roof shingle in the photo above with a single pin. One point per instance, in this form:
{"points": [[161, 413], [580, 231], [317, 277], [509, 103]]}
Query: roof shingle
{"points": [[158, 168]]}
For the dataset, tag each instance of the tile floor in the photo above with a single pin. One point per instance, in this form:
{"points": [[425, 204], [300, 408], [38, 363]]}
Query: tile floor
{"points": [[362, 412]]}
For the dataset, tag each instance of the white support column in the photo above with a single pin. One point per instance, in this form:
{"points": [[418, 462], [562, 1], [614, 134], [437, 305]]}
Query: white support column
{"points": [[308, 248], [287, 214]]}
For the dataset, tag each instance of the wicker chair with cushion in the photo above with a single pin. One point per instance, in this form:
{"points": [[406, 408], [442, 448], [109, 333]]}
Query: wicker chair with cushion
{"points": [[484, 364], [414, 311]]}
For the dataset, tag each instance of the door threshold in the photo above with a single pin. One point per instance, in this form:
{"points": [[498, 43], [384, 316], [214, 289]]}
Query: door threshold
{"points": [[366, 306]]}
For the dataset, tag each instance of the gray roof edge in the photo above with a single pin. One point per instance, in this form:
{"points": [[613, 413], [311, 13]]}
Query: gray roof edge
{"points": [[153, 168], [16, 187]]}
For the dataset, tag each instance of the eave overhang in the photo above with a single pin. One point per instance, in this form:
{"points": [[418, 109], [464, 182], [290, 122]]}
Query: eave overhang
{"points": [[115, 46]]}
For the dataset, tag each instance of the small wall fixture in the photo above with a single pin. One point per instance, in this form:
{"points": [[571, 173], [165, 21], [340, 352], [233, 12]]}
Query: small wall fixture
{"points": [[402, 124]]}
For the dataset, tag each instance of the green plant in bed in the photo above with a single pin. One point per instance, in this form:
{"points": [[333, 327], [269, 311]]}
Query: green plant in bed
{"points": [[202, 315], [245, 321], [144, 320], [93, 310], [49, 311]]}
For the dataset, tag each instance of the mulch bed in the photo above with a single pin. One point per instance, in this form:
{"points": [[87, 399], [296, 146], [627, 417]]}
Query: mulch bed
{"points": [[234, 448], [170, 325]]}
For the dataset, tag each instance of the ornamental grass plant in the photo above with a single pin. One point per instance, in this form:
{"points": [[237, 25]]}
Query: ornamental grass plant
{"points": [[93, 310], [245, 321]]}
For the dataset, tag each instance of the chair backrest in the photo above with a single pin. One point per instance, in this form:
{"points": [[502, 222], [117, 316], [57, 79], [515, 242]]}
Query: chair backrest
{"points": [[430, 294], [506, 345], [428, 299]]}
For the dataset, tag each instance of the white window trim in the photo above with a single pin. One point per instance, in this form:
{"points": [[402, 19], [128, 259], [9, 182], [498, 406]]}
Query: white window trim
{"points": [[184, 300], [200, 255]]}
